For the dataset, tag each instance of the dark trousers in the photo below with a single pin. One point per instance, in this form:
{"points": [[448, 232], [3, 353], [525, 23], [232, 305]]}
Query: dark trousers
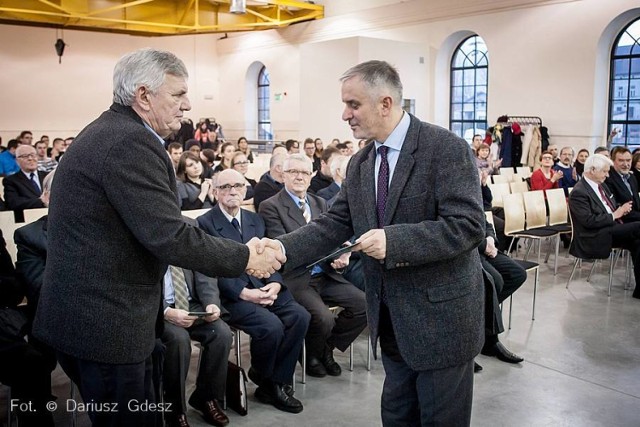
{"points": [[109, 386], [28, 372], [324, 328], [276, 332], [439, 397], [215, 339], [627, 236]]}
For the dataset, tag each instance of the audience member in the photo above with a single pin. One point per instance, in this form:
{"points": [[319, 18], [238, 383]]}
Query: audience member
{"points": [[314, 289], [193, 145], [25, 138], [57, 149], [243, 147], [597, 218], [194, 190], [23, 190], [635, 165], [323, 178], [484, 162], [264, 309], [241, 164], [45, 139], [208, 158], [68, 141], [602, 150], [226, 156], [186, 292], [342, 148], [175, 152], [310, 150], [361, 144], [45, 164], [553, 149], [319, 148], [292, 146], [278, 149], [338, 170], [8, 163], [476, 142], [569, 174], [271, 182], [350, 150], [111, 238], [546, 177], [622, 183], [578, 165], [204, 136]]}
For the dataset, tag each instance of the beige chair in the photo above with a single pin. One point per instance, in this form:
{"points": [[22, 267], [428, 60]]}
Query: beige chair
{"points": [[524, 171], [500, 179], [31, 215], [517, 178], [536, 214], [498, 191], [195, 213], [507, 172], [519, 186], [8, 226]]}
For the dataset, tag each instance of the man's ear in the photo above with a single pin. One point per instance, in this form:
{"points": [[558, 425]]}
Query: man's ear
{"points": [[142, 98], [386, 104]]}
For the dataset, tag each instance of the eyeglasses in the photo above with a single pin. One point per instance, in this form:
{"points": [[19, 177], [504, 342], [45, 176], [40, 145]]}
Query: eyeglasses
{"points": [[27, 156], [547, 158], [228, 187], [246, 162], [296, 172]]}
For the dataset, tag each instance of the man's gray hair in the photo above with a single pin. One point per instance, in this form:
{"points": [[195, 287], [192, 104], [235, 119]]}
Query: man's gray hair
{"points": [[299, 157], [597, 162], [276, 160], [339, 163], [144, 67], [377, 76]]}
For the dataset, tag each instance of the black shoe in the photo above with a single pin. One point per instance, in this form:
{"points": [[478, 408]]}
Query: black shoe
{"points": [[500, 351], [274, 394], [476, 368], [211, 410], [255, 376], [179, 421], [330, 365], [315, 368]]}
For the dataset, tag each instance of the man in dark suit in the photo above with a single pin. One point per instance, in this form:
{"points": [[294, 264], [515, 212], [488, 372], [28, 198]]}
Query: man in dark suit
{"points": [[23, 189], [338, 170], [271, 182], [200, 294], [322, 178], [419, 225], [114, 226], [264, 309], [598, 219], [622, 183], [322, 286]]}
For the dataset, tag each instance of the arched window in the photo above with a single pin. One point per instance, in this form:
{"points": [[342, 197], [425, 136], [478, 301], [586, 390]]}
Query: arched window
{"points": [[624, 87], [264, 115], [469, 77]]}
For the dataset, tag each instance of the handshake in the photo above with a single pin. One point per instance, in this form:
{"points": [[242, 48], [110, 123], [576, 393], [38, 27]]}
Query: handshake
{"points": [[265, 257]]}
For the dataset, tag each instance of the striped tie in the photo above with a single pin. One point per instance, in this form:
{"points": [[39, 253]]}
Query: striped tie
{"points": [[305, 212], [180, 298]]}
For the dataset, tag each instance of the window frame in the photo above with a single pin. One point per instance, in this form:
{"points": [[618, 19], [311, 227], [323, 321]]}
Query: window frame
{"points": [[264, 107]]}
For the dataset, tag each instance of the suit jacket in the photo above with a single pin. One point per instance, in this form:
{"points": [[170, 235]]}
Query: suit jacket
{"points": [[281, 215], [19, 192], [592, 224], [433, 223], [31, 241], [203, 290], [215, 223], [114, 226], [621, 193], [264, 189], [329, 192]]}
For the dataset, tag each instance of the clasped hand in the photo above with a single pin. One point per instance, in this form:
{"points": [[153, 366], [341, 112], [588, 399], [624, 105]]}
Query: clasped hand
{"points": [[265, 257], [373, 243]]}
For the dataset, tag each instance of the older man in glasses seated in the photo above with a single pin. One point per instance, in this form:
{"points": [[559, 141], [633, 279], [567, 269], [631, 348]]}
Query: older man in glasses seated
{"points": [[319, 287], [23, 189]]}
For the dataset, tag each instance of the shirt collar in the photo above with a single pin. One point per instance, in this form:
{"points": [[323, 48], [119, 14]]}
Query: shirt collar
{"points": [[295, 198], [396, 138], [229, 217], [155, 133]]}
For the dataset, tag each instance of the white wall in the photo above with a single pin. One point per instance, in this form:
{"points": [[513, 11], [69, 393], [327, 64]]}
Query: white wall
{"points": [[546, 59]]}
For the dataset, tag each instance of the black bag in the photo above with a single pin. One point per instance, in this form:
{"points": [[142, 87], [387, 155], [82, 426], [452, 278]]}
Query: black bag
{"points": [[236, 392]]}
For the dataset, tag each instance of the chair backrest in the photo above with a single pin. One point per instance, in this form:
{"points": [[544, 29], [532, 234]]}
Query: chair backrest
{"points": [[558, 212], [525, 171], [501, 179], [519, 187], [489, 216], [8, 226], [195, 213], [536, 209], [514, 216], [31, 215], [516, 177], [497, 191], [508, 172]]}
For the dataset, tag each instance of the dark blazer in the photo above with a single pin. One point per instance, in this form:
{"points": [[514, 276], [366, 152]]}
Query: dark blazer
{"points": [[622, 195], [31, 241], [19, 192], [329, 192], [592, 224], [114, 226], [281, 215], [264, 189], [433, 225], [215, 223]]}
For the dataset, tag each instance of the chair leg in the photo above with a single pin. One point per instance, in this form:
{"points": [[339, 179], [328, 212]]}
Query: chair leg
{"points": [[238, 351], [612, 264], [369, 352], [351, 357], [304, 362], [573, 270], [535, 291], [593, 267], [510, 309], [555, 261]]}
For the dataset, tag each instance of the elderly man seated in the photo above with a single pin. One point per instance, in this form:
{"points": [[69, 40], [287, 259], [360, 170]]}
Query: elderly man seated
{"points": [[23, 189], [598, 219], [321, 286], [264, 309]]}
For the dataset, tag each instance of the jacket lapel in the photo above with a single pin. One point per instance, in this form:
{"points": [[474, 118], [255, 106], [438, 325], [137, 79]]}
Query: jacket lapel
{"points": [[367, 180], [27, 182], [248, 226], [223, 226], [293, 211]]}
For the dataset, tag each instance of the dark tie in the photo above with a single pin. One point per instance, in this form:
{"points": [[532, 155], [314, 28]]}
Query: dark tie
{"points": [[180, 296], [34, 182], [383, 184], [305, 212], [608, 201], [236, 225]]}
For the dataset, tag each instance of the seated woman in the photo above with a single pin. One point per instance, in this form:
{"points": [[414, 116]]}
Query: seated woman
{"points": [[484, 163], [226, 155], [205, 136], [194, 190], [579, 163], [193, 145], [208, 157], [545, 178], [243, 147], [241, 164]]}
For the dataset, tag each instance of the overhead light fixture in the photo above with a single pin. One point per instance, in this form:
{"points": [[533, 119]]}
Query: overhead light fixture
{"points": [[238, 7]]}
